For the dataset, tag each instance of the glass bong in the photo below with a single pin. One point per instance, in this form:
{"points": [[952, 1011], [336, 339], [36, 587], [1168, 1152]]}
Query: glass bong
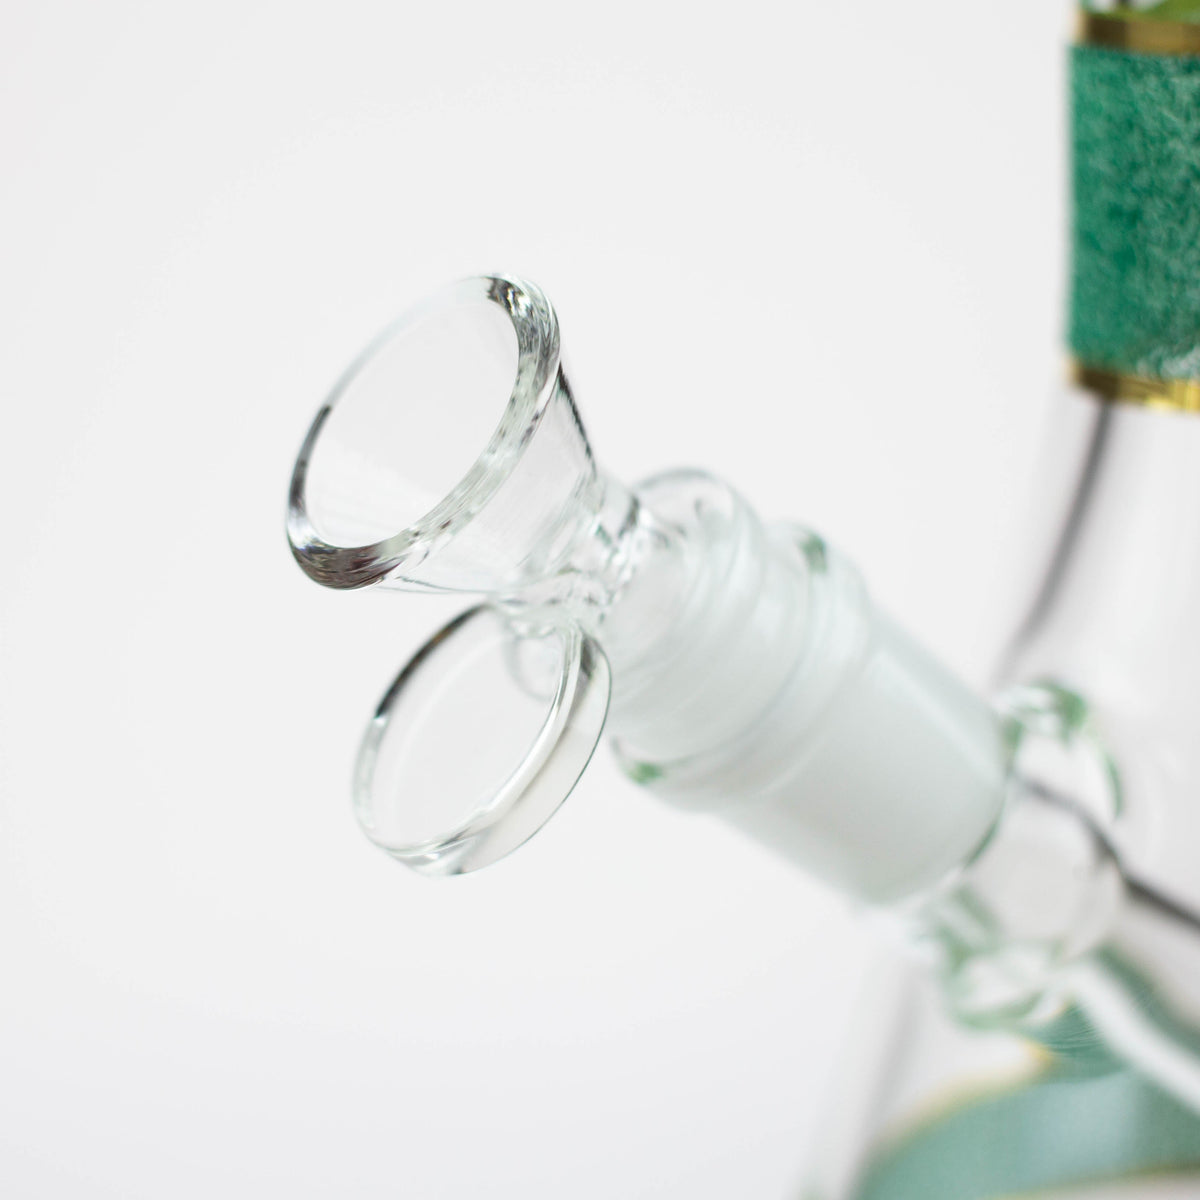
{"points": [[1035, 850]]}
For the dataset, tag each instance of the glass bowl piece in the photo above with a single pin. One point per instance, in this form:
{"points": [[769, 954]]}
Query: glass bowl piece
{"points": [[450, 455], [478, 741]]}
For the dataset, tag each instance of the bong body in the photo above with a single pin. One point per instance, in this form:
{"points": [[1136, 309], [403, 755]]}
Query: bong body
{"points": [[742, 671], [1036, 852]]}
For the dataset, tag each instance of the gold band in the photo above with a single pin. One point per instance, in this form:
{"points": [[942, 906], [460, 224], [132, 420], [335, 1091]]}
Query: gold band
{"points": [[1113, 387], [1139, 35]]}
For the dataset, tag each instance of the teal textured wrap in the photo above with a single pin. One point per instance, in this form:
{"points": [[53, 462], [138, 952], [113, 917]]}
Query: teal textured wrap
{"points": [[1135, 280]]}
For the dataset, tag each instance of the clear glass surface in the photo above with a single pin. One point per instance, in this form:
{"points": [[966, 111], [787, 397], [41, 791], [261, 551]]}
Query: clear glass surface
{"points": [[479, 740], [410, 421], [450, 455]]}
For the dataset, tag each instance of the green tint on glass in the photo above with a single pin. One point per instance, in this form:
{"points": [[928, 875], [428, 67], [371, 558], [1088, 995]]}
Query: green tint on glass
{"points": [[1064, 1130], [1086, 1119]]}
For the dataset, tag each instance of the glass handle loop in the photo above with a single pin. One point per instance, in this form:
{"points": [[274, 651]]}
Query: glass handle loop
{"points": [[480, 738]]}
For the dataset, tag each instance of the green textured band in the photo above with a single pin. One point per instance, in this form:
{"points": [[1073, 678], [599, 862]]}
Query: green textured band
{"points": [[1135, 282]]}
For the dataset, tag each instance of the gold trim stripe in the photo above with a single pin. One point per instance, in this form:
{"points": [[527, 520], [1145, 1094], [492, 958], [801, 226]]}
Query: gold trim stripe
{"points": [[1114, 387], [1139, 35]]}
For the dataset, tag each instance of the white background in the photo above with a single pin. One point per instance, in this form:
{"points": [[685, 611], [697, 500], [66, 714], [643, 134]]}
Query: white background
{"points": [[813, 247]]}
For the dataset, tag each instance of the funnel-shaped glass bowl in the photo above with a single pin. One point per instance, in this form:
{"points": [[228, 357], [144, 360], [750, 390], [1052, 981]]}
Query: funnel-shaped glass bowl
{"points": [[450, 455]]}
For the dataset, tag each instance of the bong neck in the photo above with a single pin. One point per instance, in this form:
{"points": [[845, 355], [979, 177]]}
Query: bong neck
{"points": [[1117, 609], [1116, 616]]}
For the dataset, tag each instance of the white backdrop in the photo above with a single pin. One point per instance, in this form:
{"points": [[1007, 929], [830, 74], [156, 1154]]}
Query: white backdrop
{"points": [[814, 247]]}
